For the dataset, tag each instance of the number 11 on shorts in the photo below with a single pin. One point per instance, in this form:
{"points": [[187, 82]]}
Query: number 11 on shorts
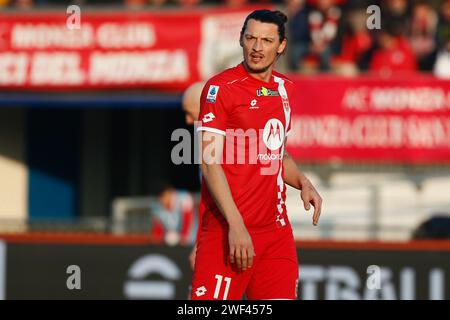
{"points": [[219, 285]]}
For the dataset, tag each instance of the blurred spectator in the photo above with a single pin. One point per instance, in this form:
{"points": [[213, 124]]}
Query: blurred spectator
{"points": [[422, 34], [443, 30], [235, 3], [191, 101], [134, 3], [356, 45], [173, 217], [298, 31], [394, 53], [23, 4], [442, 66], [396, 10], [188, 3], [291, 7], [436, 227], [137, 4], [158, 3], [323, 23]]}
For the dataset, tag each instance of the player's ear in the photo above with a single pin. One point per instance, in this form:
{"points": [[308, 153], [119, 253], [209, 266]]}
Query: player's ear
{"points": [[282, 46], [240, 41]]}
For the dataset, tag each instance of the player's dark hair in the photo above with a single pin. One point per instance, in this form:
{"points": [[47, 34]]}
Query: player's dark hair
{"points": [[268, 16]]}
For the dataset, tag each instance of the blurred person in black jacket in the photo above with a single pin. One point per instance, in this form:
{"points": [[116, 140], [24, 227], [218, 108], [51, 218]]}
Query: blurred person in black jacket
{"points": [[436, 227], [314, 30], [422, 34]]}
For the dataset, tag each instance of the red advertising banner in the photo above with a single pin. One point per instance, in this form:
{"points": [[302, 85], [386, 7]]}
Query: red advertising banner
{"points": [[368, 119], [117, 49]]}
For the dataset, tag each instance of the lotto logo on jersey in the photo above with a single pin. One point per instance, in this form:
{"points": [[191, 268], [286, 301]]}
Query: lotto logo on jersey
{"points": [[212, 93], [200, 291], [208, 117], [273, 134]]}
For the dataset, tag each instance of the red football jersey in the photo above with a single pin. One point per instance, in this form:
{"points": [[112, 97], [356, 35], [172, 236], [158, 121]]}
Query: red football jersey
{"points": [[255, 118]]}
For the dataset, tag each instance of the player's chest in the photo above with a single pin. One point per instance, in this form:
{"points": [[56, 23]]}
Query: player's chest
{"points": [[254, 107]]}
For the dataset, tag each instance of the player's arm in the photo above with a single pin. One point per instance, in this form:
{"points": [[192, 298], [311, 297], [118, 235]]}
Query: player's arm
{"points": [[241, 246], [294, 177]]}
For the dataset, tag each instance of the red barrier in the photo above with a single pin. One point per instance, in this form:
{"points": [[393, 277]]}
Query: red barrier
{"points": [[117, 49], [403, 119], [76, 238], [102, 238]]}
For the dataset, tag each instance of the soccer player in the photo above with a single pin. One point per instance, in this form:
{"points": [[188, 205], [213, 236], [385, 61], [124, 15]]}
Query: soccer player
{"points": [[246, 243]]}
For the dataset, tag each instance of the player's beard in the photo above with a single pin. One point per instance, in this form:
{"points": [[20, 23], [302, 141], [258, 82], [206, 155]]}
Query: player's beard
{"points": [[261, 69]]}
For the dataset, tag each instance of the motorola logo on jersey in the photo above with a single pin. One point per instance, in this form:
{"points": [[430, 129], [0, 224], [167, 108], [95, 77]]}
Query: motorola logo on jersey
{"points": [[273, 135]]}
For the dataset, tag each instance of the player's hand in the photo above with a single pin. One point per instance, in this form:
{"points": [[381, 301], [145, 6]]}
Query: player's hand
{"points": [[192, 256], [310, 196], [241, 246]]}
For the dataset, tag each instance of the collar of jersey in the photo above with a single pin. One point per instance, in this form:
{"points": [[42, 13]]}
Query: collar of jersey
{"points": [[244, 72]]}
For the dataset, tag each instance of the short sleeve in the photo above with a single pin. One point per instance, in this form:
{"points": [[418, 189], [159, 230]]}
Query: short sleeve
{"points": [[213, 110]]}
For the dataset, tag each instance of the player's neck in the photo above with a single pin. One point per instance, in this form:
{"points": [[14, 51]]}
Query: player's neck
{"points": [[262, 76]]}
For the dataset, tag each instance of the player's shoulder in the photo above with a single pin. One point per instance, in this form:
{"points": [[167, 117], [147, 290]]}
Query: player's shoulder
{"points": [[227, 77], [219, 82], [287, 80]]}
